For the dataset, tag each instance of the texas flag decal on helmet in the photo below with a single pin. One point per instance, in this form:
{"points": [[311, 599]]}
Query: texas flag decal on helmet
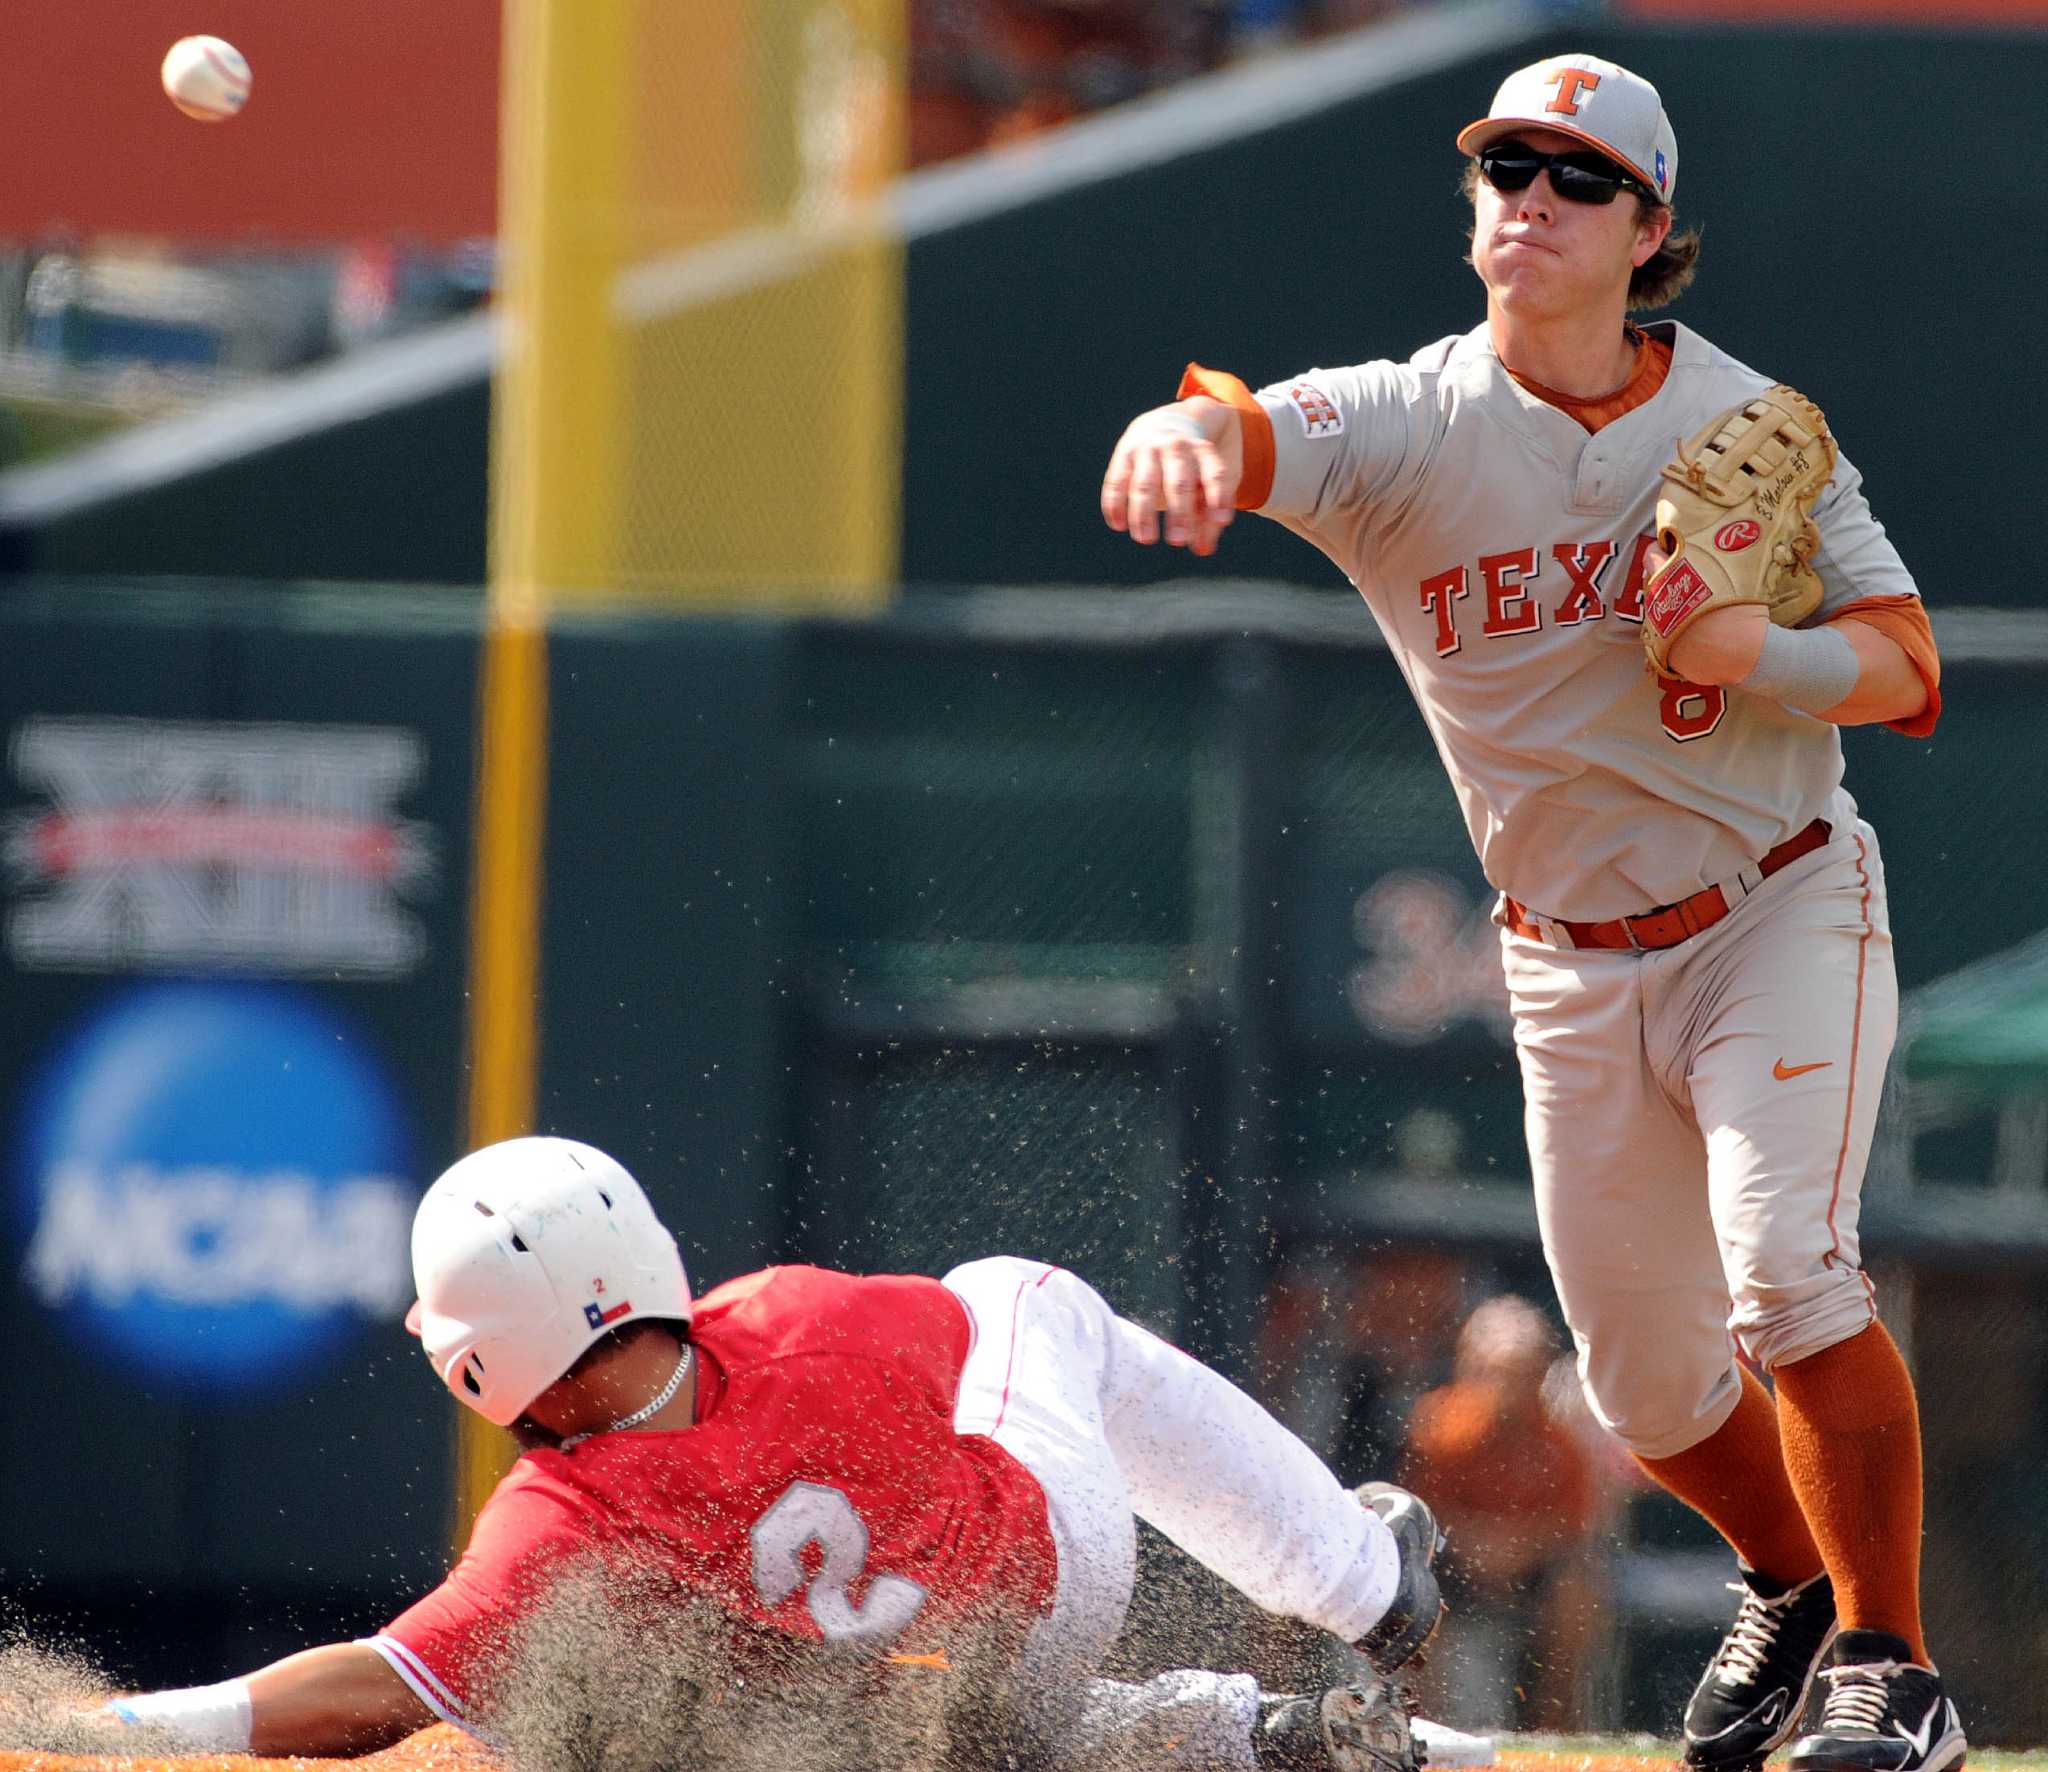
{"points": [[597, 1316]]}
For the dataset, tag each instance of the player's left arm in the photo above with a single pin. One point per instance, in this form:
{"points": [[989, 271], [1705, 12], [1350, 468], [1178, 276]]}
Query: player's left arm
{"points": [[1897, 679], [1871, 601], [1888, 684], [1865, 657], [338, 1700], [335, 1701], [343, 1699]]}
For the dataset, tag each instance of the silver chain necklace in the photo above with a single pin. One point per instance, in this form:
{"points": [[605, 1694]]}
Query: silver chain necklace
{"points": [[646, 1411]]}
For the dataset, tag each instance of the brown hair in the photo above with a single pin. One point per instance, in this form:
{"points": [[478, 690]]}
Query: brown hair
{"points": [[1659, 280]]}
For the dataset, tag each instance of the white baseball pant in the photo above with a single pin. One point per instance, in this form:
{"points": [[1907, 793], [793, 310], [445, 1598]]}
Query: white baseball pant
{"points": [[1117, 1425], [1699, 1118]]}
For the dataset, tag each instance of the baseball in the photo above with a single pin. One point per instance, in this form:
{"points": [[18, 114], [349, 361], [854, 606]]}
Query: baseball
{"points": [[206, 77]]}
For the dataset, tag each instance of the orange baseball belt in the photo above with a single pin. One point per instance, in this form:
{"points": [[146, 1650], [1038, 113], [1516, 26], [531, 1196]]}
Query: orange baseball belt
{"points": [[1669, 924]]}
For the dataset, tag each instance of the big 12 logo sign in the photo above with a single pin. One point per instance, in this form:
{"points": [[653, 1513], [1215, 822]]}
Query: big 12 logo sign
{"points": [[187, 846]]}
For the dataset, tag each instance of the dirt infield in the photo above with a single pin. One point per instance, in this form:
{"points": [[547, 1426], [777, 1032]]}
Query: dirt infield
{"points": [[1642, 1754], [439, 1749], [1586, 1760], [444, 1749]]}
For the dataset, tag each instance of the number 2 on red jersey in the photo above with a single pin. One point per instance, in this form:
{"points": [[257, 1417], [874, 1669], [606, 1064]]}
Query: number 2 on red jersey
{"points": [[811, 1513]]}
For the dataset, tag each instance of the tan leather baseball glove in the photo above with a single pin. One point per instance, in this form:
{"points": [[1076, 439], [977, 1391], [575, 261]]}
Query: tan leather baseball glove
{"points": [[1734, 518]]}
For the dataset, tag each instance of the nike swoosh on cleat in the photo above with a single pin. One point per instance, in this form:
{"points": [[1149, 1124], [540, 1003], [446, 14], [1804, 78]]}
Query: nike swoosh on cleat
{"points": [[1767, 1716], [1785, 1072], [1919, 1738]]}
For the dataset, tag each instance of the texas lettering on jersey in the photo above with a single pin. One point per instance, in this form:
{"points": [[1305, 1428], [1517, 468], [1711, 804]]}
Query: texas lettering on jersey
{"points": [[1514, 588], [1513, 583], [1514, 603]]}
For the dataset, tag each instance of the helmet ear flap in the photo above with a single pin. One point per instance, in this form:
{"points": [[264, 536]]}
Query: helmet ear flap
{"points": [[472, 1375]]}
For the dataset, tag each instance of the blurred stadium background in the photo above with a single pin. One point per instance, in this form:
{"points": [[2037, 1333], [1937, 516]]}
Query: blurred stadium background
{"points": [[549, 578]]}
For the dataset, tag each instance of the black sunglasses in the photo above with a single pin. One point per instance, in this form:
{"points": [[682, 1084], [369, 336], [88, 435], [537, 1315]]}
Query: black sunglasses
{"points": [[1578, 176]]}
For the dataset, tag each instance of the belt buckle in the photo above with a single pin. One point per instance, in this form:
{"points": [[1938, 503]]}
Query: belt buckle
{"points": [[1628, 928]]}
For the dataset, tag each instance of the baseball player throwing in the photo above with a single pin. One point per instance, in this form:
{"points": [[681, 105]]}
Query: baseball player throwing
{"points": [[875, 1465], [1692, 915]]}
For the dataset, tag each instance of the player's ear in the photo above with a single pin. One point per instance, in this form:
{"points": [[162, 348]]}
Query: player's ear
{"points": [[1653, 223]]}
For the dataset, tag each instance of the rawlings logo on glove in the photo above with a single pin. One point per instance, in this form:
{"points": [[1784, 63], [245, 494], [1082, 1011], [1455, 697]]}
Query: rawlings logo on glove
{"points": [[1750, 476]]}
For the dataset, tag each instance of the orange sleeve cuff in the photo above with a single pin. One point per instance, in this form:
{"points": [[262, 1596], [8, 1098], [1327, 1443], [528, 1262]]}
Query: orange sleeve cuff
{"points": [[1903, 621], [1255, 483]]}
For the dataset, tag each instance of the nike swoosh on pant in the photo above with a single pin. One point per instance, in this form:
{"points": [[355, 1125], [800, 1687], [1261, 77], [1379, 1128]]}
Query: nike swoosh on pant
{"points": [[1785, 1072]]}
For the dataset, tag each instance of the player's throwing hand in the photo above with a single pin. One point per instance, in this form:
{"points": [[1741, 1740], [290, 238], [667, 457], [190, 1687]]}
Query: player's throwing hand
{"points": [[1182, 462]]}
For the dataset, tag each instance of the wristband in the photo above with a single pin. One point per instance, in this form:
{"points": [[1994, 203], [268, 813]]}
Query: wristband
{"points": [[1811, 669], [199, 1719]]}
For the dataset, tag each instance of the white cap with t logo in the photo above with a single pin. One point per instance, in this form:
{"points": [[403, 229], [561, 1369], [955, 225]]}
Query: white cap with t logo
{"points": [[1595, 101]]}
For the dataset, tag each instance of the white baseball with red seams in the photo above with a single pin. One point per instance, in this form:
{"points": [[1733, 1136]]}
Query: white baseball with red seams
{"points": [[206, 77]]}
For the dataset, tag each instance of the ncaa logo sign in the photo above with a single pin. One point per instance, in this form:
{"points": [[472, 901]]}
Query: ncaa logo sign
{"points": [[214, 1183]]}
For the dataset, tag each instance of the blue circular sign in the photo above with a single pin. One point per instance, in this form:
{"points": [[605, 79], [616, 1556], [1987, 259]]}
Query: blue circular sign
{"points": [[218, 1182]]}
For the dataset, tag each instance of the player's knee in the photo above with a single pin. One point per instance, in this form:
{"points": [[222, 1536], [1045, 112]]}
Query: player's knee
{"points": [[1781, 1324], [1660, 1416]]}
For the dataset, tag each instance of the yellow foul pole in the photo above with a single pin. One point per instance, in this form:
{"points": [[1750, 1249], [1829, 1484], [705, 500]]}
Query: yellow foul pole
{"points": [[654, 431], [554, 443]]}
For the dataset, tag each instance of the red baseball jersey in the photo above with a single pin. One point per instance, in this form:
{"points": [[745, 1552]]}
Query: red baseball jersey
{"points": [[821, 1490]]}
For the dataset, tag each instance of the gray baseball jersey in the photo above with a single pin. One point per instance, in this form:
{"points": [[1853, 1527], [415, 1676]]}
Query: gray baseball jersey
{"points": [[1502, 550]]}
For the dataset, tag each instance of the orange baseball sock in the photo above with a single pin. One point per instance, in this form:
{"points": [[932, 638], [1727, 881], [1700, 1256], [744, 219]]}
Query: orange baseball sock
{"points": [[1851, 1428], [1736, 1478]]}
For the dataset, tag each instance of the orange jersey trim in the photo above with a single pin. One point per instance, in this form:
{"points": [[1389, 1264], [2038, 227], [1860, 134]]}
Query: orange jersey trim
{"points": [[1255, 484], [1903, 621], [1653, 364]]}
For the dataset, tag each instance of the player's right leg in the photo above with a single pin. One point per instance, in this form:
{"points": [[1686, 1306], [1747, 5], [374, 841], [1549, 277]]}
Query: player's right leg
{"points": [[1622, 1200], [1107, 1416]]}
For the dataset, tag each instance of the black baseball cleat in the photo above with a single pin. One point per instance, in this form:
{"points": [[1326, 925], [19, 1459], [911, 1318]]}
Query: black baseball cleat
{"points": [[1749, 1701], [1884, 1713], [1417, 1608], [1359, 1728]]}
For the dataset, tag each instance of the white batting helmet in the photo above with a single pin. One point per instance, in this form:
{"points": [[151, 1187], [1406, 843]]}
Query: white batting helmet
{"points": [[526, 1252]]}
